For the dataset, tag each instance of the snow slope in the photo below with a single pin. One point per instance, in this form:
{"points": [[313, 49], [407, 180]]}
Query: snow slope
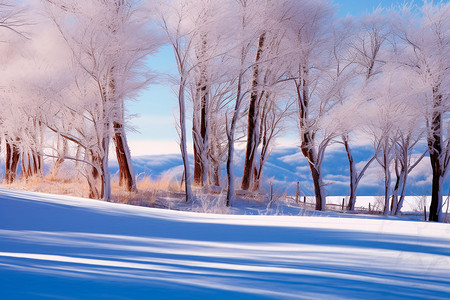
{"points": [[60, 247]]}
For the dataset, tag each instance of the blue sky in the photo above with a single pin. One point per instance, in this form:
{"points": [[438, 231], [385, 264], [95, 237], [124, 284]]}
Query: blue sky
{"points": [[155, 108]]}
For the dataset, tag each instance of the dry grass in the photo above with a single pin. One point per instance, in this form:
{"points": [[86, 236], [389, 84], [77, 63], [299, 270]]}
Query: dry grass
{"points": [[160, 192], [162, 183], [72, 186], [151, 192]]}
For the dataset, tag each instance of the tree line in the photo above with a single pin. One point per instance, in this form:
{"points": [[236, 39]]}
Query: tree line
{"points": [[246, 70]]}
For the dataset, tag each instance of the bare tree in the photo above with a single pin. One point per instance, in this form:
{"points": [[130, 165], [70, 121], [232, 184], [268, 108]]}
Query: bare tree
{"points": [[207, 78], [425, 48], [320, 72], [174, 17], [368, 48], [269, 69], [243, 49], [108, 40]]}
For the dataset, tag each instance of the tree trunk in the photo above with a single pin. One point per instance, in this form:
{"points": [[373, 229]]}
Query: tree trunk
{"points": [[15, 162], [183, 146], [37, 163], [265, 138], [230, 171], [93, 178], [124, 158], [307, 136], [105, 176], [31, 164], [216, 177], [257, 173], [230, 136], [201, 126], [198, 167], [353, 175], [253, 122], [8, 159], [314, 167], [402, 195], [12, 161], [200, 136], [62, 152], [394, 201], [435, 150], [197, 140], [387, 183], [214, 173], [204, 130], [436, 190], [318, 188], [25, 166]]}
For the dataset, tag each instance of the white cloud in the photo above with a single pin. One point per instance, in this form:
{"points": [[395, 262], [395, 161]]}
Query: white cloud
{"points": [[336, 179], [361, 139], [425, 182], [287, 142], [292, 158], [372, 176], [335, 148], [302, 169], [422, 169], [330, 182]]}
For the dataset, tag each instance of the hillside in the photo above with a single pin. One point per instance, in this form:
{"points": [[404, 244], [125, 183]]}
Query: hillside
{"points": [[286, 166], [61, 247]]}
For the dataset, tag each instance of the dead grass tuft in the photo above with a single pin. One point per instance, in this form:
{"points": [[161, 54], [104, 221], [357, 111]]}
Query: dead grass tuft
{"points": [[162, 183], [161, 192], [52, 185]]}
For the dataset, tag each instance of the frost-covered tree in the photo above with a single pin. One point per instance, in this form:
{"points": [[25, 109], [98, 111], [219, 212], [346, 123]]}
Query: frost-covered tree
{"points": [[381, 124], [109, 41], [245, 26], [208, 77], [409, 128], [177, 20], [393, 117], [320, 72], [12, 25], [426, 43], [370, 51], [269, 69]]}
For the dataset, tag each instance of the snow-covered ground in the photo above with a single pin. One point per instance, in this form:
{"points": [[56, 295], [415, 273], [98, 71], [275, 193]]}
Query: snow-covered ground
{"points": [[61, 247]]}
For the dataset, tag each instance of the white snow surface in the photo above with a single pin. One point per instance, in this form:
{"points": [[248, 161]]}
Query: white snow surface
{"points": [[61, 247]]}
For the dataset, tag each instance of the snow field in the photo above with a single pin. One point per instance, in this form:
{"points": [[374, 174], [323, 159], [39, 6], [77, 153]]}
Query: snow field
{"points": [[64, 247]]}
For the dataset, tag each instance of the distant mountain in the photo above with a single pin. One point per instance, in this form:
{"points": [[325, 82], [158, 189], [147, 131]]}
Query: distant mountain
{"points": [[287, 166]]}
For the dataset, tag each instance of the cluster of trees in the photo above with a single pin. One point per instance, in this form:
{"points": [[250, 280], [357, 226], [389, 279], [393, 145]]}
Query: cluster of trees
{"points": [[246, 67], [67, 69]]}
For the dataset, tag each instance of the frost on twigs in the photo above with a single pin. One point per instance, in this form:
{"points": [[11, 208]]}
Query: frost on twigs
{"points": [[205, 203]]}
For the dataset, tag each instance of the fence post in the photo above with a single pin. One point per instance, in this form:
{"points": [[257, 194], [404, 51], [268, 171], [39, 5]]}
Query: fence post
{"points": [[425, 212], [297, 193], [343, 203]]}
